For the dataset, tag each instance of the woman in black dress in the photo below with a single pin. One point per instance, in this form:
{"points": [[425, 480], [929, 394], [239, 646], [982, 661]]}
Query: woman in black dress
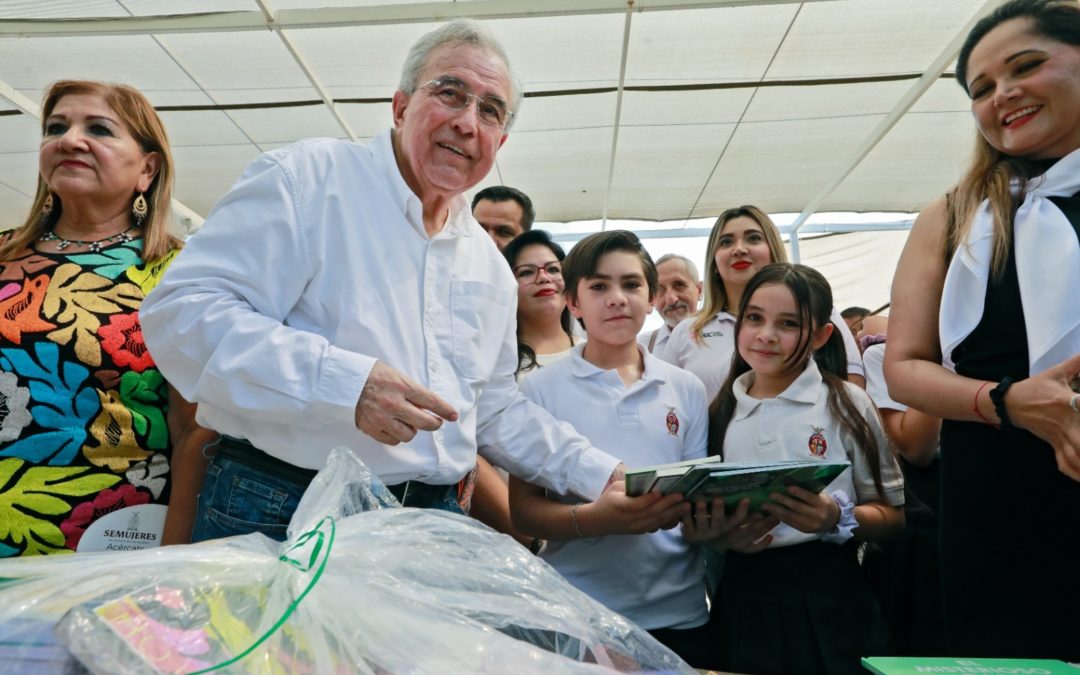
{"points": [[989, 285]]}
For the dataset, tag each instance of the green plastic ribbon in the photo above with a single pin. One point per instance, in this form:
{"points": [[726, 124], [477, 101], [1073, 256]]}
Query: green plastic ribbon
{"points": [[318, 540]]}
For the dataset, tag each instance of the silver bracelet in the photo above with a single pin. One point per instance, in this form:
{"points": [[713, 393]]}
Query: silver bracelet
{"points": [[573, 519]]}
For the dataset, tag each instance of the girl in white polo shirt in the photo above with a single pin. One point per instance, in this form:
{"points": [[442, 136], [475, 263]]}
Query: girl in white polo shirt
{"points": [[627, 402], [743, 240], [793, 599]]}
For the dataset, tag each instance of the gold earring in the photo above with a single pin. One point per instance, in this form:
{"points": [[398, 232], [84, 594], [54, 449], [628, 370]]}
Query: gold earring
{"points": [[47, 207], [139, 209]]}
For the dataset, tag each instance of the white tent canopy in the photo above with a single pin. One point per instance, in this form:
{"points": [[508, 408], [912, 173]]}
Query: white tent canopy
{"points": [[644, 109]]}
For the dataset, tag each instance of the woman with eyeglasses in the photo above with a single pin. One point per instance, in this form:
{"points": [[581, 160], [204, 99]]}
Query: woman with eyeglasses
{"points": [[545, 335], [545, 326]]}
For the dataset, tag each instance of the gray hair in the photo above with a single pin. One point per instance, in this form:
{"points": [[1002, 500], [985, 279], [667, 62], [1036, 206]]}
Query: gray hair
{"points": [[691, 268], [460, 31]]}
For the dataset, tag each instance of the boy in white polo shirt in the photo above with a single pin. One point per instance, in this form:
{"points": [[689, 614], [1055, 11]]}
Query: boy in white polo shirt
{"points": [[621, 397]]}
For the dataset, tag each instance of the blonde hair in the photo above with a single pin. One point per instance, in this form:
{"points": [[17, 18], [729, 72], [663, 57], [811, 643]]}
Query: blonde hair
{"points": [[716, 299], [145, 126]]}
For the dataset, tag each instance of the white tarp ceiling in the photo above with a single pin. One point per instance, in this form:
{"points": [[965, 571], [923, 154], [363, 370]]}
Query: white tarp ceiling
{"points": [[651, 110]]}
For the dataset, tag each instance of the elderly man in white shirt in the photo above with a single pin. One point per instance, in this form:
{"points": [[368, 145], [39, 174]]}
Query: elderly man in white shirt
{"points": [[343, 295], [677, 293]]}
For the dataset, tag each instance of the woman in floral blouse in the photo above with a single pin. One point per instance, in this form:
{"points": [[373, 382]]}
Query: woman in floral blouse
{"points": [[86, 422]]}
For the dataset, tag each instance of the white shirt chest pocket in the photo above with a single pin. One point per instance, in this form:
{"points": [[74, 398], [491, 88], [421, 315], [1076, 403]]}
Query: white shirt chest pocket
{"points": [[479, 312]]}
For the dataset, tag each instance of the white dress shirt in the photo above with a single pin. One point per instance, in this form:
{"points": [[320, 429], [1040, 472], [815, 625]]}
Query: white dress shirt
{"points": [[657, 580], [710, 359], [781, 428], [876, 387], [315, 265], [654, 340]]}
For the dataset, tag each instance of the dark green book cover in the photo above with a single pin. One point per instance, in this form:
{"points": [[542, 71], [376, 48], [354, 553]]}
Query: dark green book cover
{"points": [[911, 665], [759, 483]]}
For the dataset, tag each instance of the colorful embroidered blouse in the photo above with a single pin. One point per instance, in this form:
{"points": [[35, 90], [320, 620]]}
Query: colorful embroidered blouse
{"points": [[82, 408]]}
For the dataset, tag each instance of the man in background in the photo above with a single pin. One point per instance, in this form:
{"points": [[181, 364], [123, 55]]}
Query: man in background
{"points": [[504, 213], [853, 317], [677, 296]]}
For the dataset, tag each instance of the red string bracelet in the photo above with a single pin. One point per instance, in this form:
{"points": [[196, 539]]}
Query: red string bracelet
{"points": [[975, 404]]}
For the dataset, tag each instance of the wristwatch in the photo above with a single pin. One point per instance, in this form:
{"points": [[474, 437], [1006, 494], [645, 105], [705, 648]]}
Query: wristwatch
{"points": [[997, 397]]}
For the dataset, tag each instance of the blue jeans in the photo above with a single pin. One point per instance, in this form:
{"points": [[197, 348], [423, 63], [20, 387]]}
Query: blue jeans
{"points": [[238, 498]]}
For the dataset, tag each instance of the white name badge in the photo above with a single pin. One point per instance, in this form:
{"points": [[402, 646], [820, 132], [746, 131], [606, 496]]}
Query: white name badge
{"points": [[128, 529]]}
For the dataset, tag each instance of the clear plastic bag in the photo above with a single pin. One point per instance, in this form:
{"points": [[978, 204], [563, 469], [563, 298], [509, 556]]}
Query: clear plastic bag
{"points": [[360, 586]]}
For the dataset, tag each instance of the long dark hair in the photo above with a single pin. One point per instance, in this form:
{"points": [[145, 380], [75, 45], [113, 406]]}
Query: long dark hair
{"points": [[814, 302], [526, 354]]}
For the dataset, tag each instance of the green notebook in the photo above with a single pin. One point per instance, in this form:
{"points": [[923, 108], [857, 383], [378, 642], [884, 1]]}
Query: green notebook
{"points": [[757, 483], [915, 665], [708, 478]]}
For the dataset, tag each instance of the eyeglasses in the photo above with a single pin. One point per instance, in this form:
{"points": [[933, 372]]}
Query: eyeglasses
{"points": [[531, 273], [454, 94]]}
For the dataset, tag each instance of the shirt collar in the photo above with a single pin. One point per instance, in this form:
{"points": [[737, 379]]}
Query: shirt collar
{"points": [[744, 402], [807, 386], [458, 222], [582, 368], [805, 389], [720, 318]]}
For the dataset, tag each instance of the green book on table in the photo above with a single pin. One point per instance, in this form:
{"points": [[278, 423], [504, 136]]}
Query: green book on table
{"points": [[708, 478], [913, 665]]}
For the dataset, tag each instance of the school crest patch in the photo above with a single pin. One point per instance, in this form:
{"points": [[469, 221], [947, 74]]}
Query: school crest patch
{"points": [[672, 421], [817, 443]]}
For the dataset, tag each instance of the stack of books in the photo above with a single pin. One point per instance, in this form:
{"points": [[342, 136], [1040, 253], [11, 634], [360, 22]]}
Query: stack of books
{"points": [[733, 481]]}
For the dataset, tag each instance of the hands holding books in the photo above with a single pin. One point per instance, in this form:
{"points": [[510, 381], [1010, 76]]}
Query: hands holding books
{"points": [[810, 512], [740, 531], [617, 513]]}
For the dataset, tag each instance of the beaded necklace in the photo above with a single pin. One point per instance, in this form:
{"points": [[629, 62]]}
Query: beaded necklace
{"points": [[92, 246]]}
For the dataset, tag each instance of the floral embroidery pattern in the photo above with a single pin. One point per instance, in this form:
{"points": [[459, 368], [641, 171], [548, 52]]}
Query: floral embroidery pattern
{"points": [[111, 262], [24, 266], [107, 501], [124, 341], [116, 447], [9, 289], [14, 411], [150, 475], [20, 311], [147, 396], [31, 496], [75, 300], [148, 275], [83, 427], [62, 405]]}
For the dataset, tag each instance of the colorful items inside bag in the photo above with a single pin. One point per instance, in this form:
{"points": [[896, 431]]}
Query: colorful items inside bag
{"points": [[360, 586]]}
